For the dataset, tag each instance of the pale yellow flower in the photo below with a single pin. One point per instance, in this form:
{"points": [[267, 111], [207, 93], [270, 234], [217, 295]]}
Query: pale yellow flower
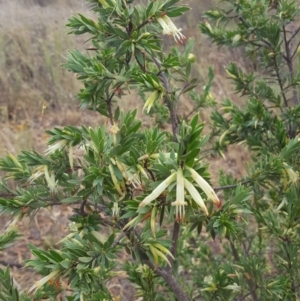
{"points": [[169, 28], [114, 129], [151, 100], [195, 195], [207, 189], [40, 283], [180, 202], [115, 180], [50, 179], [56, 146], [115, 210], [294, 176], [158, 190], [39, 171]]}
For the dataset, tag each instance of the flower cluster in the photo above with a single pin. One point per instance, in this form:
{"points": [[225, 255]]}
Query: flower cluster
{"points": [[183, 184]]}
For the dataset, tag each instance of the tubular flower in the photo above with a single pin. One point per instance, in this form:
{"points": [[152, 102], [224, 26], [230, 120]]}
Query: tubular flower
{"points": [[142, 171], [12, 225], [182, 184], [15, 160], [130, 223], [159, 251], [71, 157], [151, 100], [179, 203], [41, 282], [37, 173], [133, 179], [115, 180], [205, 187], [50, 179], [169, 28], [115, 210], [152, 220], [114, 130], [56, 146], [195, 195], [294, 176], [158, 190]]}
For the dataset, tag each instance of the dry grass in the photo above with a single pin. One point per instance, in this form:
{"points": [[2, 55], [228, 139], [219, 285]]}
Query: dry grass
{"points": [[34, 42]]}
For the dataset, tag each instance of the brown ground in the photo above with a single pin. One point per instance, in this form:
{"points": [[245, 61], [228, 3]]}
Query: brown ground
{"points": [[32, 76]]}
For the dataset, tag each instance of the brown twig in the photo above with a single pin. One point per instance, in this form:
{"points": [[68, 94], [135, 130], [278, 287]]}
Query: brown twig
{"points": [[290, 62], [175, 236], [170, 280], [230, 186], [169, 102], [81, 208], [248, 294], [143, 24], [109, 106]]}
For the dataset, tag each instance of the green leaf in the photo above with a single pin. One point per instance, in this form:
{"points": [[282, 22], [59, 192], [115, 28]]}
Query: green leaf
{"points": [[85, 259], [290, 149], [72, 199], [177, 11]]}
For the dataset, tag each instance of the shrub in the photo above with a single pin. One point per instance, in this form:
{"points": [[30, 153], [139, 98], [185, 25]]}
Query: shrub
{"points": [[147, 191]]}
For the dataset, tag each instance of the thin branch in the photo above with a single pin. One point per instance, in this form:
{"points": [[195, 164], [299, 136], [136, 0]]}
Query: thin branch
{"points": [[248, 294], [213, 295], [109, 98], [183, 88], [280, 82], [81, 208], [169, 103], [192, 111], [230, 186], [164, 273], [295, 51], [109, 107], [143, 24], [170, 280], [263, 40], [235, 253], [149, 170], [175, 236], [294, 34], [290, 63]]}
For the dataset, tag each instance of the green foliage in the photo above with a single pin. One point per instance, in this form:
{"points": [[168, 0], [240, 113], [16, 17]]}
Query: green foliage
{"points": [[146, 190]]}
